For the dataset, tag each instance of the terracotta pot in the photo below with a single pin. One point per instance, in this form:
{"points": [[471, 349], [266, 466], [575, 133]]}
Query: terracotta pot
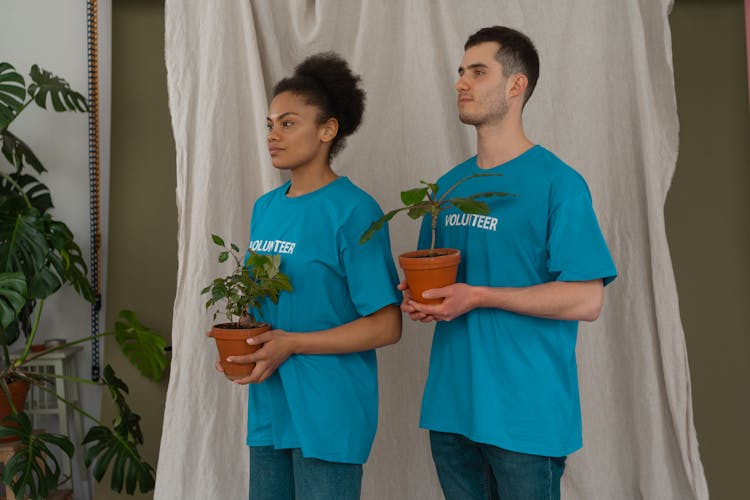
{"points": [[424, 272], [231, 342], [18, 392]]}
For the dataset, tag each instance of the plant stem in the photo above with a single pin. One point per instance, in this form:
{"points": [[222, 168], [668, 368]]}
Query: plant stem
{"points": [[6, 390], [83, 412], [65, 345], [30, 340], [6, 353], [44, 376], [71, 404], [434, 216]]}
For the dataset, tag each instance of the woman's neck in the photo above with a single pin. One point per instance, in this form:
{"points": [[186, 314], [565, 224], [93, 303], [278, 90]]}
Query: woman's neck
{"points": [[310, 178]]}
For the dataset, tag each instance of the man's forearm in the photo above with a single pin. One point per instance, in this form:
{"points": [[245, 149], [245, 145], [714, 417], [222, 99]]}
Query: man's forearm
{"points": [[565, 300]]}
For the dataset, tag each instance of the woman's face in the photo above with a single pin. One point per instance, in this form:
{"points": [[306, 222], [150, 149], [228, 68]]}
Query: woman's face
{"points": [[295, 138]]}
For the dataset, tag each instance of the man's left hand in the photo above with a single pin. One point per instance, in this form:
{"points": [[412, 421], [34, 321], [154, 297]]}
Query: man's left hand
{"points": [[457, 298]]}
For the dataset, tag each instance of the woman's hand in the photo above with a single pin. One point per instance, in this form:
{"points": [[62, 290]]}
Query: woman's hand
{"points": [[407, 305], [276, 347]]}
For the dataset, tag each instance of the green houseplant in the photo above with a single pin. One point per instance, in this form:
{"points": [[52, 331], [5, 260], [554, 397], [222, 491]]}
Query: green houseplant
{"points": [[38, 256], [436, 267], [251, 282]]}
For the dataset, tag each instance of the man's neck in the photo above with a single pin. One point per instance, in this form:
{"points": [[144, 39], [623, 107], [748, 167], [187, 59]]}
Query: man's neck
{"points": [[501, 142]]}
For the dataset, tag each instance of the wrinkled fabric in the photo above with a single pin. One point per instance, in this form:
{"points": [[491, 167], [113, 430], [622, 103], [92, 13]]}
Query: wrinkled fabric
{"points": [[605, 103]]}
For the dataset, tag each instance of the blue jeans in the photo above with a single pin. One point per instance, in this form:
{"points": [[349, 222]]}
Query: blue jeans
{"points": [[287, 475], [476, 471]]}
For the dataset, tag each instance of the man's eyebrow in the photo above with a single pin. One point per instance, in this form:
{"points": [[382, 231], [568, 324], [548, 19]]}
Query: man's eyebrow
{"points": [[461, 69]]}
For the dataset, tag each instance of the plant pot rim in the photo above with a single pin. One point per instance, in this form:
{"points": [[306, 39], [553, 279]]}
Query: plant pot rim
{"points": [[420, 259], [245, 326], [222, 333]]}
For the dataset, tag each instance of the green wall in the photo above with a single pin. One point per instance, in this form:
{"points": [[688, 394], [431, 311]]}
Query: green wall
{"points": [[708, 226], [707, 213], [142, 260]]}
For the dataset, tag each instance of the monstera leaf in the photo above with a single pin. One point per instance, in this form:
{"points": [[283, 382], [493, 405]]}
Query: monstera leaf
{"points": [[30, 189], [12, 94], [12, 297], [143, 346], [58, 90], [119, 446], [33, 471], [18, 153]]}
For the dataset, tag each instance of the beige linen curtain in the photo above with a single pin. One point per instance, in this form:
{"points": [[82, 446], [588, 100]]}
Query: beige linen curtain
{"points": [[605, 103]]}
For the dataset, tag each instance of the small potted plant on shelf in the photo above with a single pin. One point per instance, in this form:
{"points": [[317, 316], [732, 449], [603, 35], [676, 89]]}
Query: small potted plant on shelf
{"points": [[243, 292], [435, 267], [38, 256]]}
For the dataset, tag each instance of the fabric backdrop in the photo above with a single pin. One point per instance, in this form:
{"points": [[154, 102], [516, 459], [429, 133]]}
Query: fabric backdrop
{"points": [[605, 103]]}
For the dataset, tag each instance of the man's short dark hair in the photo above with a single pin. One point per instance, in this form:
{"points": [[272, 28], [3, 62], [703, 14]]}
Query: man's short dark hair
{"points": [[517, 53]]}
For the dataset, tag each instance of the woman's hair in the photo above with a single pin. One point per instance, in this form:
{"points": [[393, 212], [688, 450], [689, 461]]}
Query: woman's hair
{"points": [[325, 81]]}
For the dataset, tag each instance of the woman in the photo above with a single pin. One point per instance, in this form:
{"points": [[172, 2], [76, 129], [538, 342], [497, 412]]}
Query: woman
{"points": [[312, 408]]}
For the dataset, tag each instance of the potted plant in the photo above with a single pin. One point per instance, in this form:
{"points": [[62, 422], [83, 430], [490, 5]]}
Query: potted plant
{"points": [[38, 256], [243, 292], [436, 267]]}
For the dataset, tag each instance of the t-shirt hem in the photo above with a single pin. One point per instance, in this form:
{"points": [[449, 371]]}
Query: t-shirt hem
{"points": [[507, 444], [311, 454], [373, 309]]}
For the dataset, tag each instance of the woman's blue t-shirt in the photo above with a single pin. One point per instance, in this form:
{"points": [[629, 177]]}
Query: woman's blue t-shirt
{"points": [[327, 405], [497, 377]]}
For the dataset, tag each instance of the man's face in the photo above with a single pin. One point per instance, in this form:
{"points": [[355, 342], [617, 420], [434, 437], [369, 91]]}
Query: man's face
{"points": [[481, 86]]}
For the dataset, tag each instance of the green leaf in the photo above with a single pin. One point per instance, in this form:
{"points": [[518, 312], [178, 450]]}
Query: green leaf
{"points": [[128, 468], [469, 206], [378, 224], [18, 153], [249, 285], [12, 298], [217, 240], [418, 211], [142, 346], [223, 256], [433, 188], [24, 247], [34, 470], [12, 94], [17, 188], [57, 89], [413, 196]]}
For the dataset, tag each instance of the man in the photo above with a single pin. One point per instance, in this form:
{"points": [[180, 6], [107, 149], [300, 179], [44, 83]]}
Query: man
{"points": [[501, 400]]}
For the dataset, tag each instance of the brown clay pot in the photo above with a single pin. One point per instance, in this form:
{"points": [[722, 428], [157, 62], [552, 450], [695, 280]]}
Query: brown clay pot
{"points": [[18, 392], [424, 272], [231, 342]]}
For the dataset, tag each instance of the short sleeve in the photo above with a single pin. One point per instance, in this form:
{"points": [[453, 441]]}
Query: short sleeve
{"points": [[370, 273], [575, 246]]}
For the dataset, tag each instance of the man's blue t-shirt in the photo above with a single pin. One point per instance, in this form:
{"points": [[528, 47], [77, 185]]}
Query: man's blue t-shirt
{"points": [[498, 377], [327, 405]]}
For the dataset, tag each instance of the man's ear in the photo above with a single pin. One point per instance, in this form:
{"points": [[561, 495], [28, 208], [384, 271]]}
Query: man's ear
{"points": [[329, 129], [517, 85]]}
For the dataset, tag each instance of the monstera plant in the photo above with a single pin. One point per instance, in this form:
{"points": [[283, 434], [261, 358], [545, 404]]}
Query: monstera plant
{"points": [[38, 256]]}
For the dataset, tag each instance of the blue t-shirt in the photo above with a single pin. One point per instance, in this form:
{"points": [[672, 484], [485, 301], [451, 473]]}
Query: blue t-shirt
{"points": [[502, 378], [327, 405]]}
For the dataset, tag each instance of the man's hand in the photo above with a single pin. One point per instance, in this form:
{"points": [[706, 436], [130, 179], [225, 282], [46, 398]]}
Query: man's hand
{"points": [[276, 347], [457, 298], [407, 307]]}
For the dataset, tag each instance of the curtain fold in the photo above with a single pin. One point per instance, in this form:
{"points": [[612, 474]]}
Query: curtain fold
{"points": [[605, 103]]}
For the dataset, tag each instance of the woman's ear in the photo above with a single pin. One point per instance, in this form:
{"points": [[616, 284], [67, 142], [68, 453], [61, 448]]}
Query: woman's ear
{"points": [[329, 129]]}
